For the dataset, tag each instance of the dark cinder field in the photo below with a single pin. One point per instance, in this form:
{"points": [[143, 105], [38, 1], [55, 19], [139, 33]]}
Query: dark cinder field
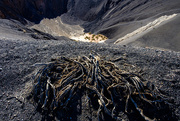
{"points": [[155, 55]]}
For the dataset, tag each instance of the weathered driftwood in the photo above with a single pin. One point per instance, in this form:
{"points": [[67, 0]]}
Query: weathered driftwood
{"points": [[56, 83]]}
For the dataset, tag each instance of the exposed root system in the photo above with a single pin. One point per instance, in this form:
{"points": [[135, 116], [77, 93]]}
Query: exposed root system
{"points": [[114, 90]]}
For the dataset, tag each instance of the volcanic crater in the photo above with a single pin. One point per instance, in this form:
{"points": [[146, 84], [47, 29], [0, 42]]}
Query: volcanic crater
{"points": [[123, 45]]}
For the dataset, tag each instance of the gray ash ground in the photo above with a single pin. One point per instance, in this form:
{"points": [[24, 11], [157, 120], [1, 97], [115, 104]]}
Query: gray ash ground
{"points": [[21, 48], [18, 55]]}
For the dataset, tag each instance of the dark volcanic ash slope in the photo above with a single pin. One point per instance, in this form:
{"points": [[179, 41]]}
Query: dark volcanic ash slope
{"points": [[18, 54], [101, 13], [21, 47], [113, 18]]}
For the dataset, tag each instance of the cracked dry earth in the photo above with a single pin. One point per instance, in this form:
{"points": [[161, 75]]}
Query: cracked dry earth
{"points": [[17, 71]]}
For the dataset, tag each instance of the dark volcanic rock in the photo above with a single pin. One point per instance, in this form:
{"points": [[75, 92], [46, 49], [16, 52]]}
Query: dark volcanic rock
{"points": [[22, 47], [87, 10], [17, 57], [33, 10]]}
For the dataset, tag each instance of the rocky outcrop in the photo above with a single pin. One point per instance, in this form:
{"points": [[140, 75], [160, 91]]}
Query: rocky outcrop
{"points": [[33, 10], [86, 10]]}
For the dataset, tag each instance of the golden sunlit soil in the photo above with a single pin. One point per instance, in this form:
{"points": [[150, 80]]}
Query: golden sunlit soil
{"points": [[88, 37]]}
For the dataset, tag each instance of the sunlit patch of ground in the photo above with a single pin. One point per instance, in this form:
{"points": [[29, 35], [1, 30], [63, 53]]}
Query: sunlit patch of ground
{"points": [[57, 27], [88, 37]]}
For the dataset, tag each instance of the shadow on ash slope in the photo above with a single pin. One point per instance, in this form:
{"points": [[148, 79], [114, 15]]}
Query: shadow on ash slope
{"points": [[144, 29]]}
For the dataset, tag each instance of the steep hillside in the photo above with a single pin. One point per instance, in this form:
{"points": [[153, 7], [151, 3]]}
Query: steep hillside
{"points": [[87, 10], [32, 10], [140, 36]]}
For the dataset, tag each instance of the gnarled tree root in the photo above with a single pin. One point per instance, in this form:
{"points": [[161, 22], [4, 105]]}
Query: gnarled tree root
{"points": [[56, 83]]}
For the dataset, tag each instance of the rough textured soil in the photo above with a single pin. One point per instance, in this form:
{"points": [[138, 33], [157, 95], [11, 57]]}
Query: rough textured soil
{"points": [[22, 47], [18, 55]]}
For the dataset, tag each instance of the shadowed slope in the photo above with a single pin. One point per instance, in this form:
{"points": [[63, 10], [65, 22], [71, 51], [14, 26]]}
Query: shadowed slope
{"points": [[166, 36], [32, 10]]}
